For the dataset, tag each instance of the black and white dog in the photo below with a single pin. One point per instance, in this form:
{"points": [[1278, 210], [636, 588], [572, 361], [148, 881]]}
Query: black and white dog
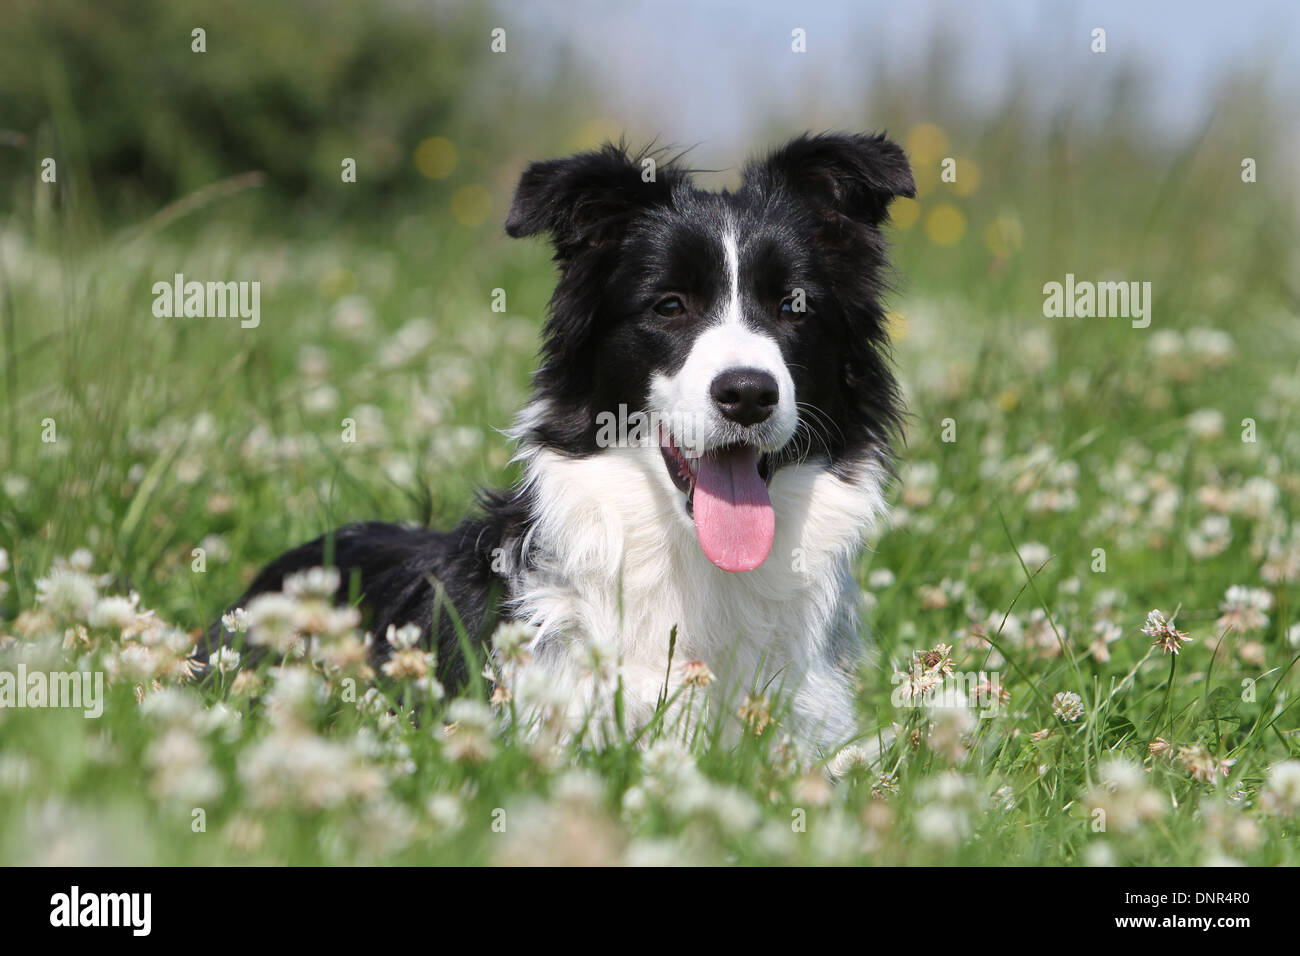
{"points": [[739, 337]]}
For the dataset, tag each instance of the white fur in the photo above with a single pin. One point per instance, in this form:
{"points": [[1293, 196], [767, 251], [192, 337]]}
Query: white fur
{"points": [[684, 397], [615, 554]]}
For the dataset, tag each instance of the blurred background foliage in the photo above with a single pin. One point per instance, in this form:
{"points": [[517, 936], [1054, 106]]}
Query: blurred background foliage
{"points": [[139, 119], [1064, 167], [440, 125]]}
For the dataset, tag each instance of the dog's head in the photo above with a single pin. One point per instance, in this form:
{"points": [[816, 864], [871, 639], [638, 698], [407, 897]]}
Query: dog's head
{"points": [[736, 332]]}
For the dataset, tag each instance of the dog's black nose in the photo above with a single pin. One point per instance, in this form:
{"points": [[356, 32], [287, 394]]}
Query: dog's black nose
{"points": [[745, 395]]}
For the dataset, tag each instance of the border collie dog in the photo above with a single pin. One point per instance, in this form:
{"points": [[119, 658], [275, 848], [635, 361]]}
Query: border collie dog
{"points": [[705, 447]]}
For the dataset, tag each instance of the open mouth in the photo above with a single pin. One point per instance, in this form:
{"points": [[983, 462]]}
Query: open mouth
{"points": [[726, 497]]}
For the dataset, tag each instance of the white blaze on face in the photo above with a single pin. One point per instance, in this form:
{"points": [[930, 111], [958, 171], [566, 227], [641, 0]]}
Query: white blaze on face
{"points": [[732, 511], [683, 399]]}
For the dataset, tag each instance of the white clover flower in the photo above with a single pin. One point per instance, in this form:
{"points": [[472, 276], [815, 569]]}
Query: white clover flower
{"points": [[171, 706], [468, 731], [1206, 423], [137, 661], [1123, 797], [314, 583], [1165, 343], [1245, 609], [636, 800], [1282, 790], [1107, 633], [181, 768], [412, 663], [372, 702], [951, 724], [1163, 634], [1121, 774], [941, 825], [320, 399], [541, 692], [272, 621], [236, 621], [405, 637], [224, 659], [469, 712], [15, 772], [329, 622], [220, 719], [173, 640], [1212, 346], [1203, 765], [1067, 705], [1099, 853], [918, 484], [114, 613], [598, 658], [296, 693], [848, 759], [67, 593], [580, 786], [446, 811], [734, 811], [947, 787], [880, 579], [696, 674], [353, 316], [1034, 554], [662, 852], [667, 760], [295, 769], [1257, 498], [15, 486], [512, 640], [1210, 538]]}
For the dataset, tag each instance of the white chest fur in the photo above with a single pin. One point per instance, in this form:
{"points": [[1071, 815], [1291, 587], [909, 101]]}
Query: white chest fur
{"points": [[615, 555]]}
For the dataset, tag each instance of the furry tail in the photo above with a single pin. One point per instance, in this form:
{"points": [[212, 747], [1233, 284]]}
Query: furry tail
{"points": [[397, 571]]}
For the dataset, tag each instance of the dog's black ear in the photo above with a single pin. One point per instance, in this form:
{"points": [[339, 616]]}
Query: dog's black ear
{"points": [[586, 200], [847, 175]]}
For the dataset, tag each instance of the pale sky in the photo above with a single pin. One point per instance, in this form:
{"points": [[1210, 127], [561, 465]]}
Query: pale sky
{"points": [[707, 72]]}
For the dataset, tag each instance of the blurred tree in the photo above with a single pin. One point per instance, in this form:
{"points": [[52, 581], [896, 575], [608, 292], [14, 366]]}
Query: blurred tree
{"points": [[290, 88]]}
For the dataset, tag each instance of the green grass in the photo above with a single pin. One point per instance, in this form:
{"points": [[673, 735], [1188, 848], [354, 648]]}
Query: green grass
{"points": [[1071, 435]]}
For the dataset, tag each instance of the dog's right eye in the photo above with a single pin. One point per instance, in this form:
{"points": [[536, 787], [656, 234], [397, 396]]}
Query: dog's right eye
{"points": [[670, 306]]}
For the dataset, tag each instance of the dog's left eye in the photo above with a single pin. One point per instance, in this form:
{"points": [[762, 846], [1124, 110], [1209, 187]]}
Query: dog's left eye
{"points": [[670, 306], [787, 307]]}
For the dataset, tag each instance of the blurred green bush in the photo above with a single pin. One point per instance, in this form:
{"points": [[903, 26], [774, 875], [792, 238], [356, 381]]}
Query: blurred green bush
{"points": [[290, 88]]}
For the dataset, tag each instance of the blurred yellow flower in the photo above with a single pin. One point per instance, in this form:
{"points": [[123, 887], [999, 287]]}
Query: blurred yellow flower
{"points": [[471, 205], [925, 144], [436, 157], [1008, 399], [904, 212], [945, 225], [968, 177], [596, 131]]}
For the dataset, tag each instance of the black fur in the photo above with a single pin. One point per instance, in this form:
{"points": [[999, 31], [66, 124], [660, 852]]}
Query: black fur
{"points": [[397, 572]]}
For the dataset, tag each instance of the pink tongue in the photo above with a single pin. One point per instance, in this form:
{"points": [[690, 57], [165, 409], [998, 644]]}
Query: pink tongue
{"points": [[733, 513]]}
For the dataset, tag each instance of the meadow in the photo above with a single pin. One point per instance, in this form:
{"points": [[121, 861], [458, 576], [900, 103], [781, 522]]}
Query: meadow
{"points": [[1100, 519]]}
